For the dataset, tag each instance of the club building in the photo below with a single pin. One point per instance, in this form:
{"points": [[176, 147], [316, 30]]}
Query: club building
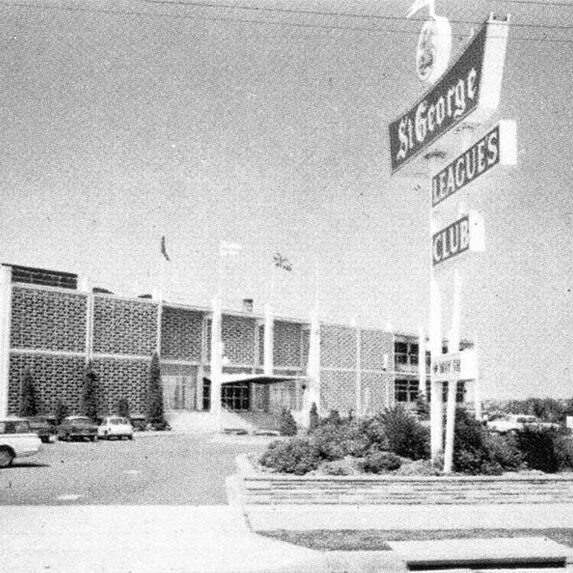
{"points": [[52, 324]]}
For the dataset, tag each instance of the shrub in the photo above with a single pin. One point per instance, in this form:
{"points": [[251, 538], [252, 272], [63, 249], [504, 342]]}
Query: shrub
{"points": [[504, 451], [28, 406], [343, 467], [313, 419], [89, 398], [288, 425], [564, 451], [333, 418], [155, 415], [62, 410], [406, 436], [374, 431], [337, 440], [471, 453], [380, 462], [539, 447], [294, 456], [123, 408], [422, 407]]}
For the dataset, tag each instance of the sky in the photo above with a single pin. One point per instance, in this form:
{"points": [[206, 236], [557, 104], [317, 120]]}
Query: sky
{"points": [[265, 123]]}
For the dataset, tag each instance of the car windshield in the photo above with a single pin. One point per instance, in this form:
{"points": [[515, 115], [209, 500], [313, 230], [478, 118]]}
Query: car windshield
{"points": [[14, 427], [81, 421], [117, 421]]}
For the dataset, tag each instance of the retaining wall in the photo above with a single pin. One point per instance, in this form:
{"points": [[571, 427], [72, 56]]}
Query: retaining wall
{"points": [[260, 488]]}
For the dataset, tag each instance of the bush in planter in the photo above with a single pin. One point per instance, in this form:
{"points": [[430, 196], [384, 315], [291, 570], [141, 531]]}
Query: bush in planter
{"points": [[406, 436], [504, 451], [313, 418], [540, 449], [288, 425], [377, 462], [564, 450], [374, 431], [339, 439], [294, 456]]}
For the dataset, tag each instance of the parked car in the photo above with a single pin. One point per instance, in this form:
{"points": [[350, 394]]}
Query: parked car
{"points": [[139, 422], [45, 427], [74, 427], [115, 427], [513, 423], [17, 440]]}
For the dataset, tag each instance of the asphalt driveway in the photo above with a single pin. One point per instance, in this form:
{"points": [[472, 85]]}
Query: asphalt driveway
{"points": [[159, 469]]}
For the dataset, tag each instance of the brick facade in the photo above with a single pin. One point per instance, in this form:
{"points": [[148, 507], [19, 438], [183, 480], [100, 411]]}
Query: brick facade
{"points": [[55, 331]]}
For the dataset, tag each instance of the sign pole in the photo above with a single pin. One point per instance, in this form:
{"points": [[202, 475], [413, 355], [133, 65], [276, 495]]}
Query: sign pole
{"points": [[436, 392], [453, 346]]}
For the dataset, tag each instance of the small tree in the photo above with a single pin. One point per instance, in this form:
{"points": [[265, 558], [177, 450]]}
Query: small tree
{"points": [[89, 399], [155, 413], [123, 408], [422, 406], [313, 418], [28, 406], [288, 425], [62, 411]]}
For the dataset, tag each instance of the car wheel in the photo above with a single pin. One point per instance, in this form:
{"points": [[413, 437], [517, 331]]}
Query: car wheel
{"points": [[6, 457], [130, 437], [94, 438]]}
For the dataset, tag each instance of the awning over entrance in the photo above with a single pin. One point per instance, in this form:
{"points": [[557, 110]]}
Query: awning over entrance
{"points": [[258, 378]]}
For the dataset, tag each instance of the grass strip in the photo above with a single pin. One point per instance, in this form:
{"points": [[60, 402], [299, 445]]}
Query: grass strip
{"points": [[377, 540]]}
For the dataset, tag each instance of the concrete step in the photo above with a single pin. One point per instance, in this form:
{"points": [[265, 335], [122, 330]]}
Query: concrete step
{"points": [[525, 553]]}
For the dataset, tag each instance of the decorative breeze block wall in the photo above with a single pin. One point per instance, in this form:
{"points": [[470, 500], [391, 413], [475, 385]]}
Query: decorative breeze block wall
{"points": [[287, 350], [338, 391], [48, 320], [337, 347], [55, 377], [121, 378], [238, 334], [181, 334], [124, 326]]}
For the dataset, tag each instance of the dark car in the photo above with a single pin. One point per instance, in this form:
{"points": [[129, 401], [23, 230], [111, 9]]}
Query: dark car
{"points": [[45, 427], [74, 427], [139, 422]]}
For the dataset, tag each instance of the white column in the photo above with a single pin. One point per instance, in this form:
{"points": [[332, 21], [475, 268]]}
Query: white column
{"points": [[216, 360], [268, 365], [453, 346], [436, 349], [5, 321], [422, 361], [313, 368], [358, 372]]}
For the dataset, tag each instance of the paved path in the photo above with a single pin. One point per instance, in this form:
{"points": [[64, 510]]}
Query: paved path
{"points": [[145, 539]]}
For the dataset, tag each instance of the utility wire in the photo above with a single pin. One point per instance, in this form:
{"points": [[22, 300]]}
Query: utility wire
{"points": [[44, 7], [261, 9]]}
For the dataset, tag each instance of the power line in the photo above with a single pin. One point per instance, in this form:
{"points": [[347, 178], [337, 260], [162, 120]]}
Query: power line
{"points": [[105, 11], [260, 9]]}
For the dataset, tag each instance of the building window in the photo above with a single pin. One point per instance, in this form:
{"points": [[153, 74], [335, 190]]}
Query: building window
{"points": [[406, 390], [401, 352]]}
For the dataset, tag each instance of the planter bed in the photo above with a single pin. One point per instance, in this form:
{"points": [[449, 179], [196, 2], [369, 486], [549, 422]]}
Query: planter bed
{"points": [[267, 488]]}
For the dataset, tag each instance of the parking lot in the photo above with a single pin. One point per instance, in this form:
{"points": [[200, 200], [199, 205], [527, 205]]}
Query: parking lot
{"points": [[159, 468]]}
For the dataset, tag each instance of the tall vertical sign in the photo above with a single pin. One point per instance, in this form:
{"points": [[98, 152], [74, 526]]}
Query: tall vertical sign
{"points": [[468, 93]]}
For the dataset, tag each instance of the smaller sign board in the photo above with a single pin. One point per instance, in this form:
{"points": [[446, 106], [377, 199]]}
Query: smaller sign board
{"points": [[465, 234], [455, 366], [497, 146]]}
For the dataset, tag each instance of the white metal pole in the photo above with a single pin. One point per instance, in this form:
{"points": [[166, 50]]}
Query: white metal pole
{"points": [[436, 350], [453, 346], [268, 364], [477, 384], [216, 362], [5, 321], [422, 361]]}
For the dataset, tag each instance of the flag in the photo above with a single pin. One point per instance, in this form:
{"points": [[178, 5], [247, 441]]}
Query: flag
{"points": [[163, 250], [419, 4], [227, 249], [282, 262]]}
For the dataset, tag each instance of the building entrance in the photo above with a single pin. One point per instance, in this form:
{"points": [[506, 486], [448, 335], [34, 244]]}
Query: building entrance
{"points": [[236, 396]]}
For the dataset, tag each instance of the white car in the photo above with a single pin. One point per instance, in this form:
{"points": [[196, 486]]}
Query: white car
{"points": [[17, 440], [115, 427], [513, 423]]}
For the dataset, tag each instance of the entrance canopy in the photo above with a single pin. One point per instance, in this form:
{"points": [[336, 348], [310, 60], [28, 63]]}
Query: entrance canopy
{"points": [[258, 378]]}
